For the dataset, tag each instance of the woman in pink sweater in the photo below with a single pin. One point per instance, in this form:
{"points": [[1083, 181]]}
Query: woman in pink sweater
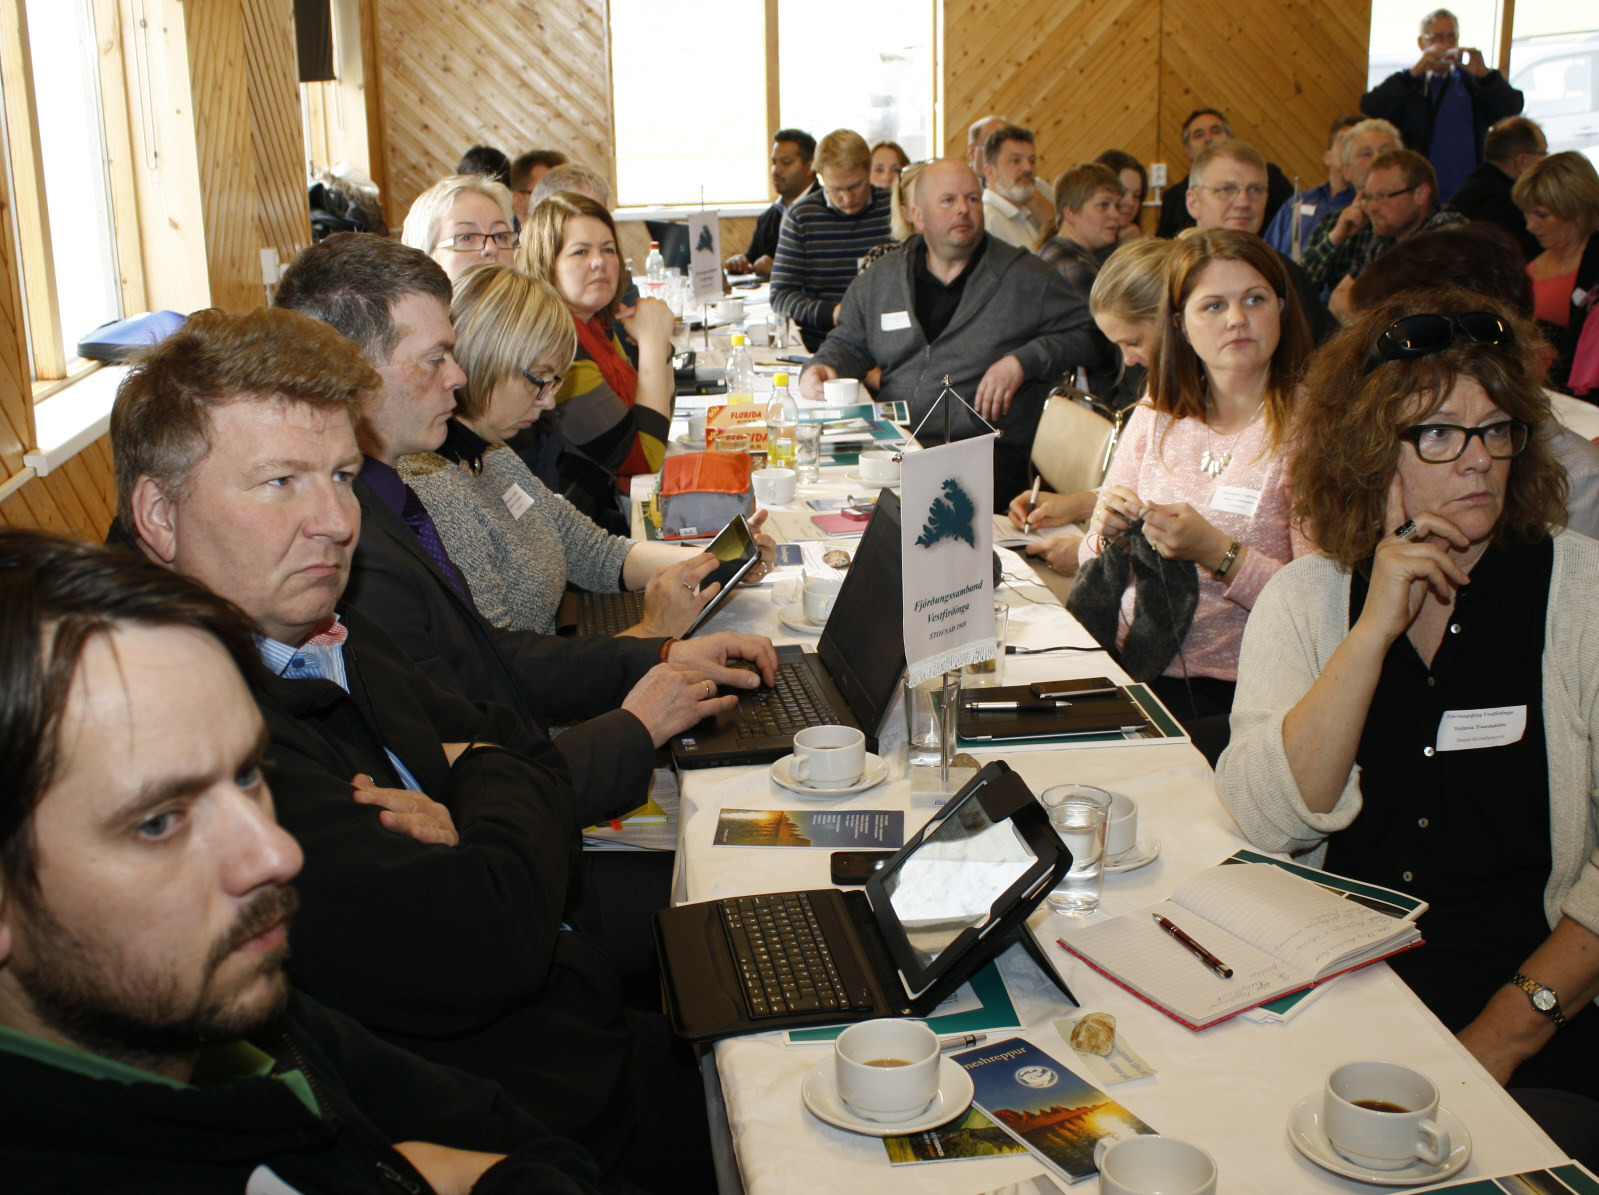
{"points": [[1199, 473]]}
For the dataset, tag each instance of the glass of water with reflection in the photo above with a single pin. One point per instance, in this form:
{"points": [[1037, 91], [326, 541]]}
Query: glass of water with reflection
{"points": [[1079, 813]]}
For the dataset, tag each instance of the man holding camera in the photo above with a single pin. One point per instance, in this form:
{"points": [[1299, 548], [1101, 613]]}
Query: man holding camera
{"points": [[1444, 104]]}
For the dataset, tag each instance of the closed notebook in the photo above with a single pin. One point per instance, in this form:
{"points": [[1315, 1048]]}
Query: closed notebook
{"points": [[1277, 932]]}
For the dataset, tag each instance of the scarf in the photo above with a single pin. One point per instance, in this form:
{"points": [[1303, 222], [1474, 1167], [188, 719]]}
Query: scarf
{"points": [[597, 341]]}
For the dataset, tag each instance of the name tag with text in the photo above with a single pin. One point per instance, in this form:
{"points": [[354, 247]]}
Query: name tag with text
{"points": [[1236, 499], [1467, 730], [893, 321], [517, 500]]}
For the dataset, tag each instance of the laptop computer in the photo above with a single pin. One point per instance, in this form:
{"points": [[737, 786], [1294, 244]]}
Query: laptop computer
{"points": [[586, 613], [850, 680], [946, 903]]}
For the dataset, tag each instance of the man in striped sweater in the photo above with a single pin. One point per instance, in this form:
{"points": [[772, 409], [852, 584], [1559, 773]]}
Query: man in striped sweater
{"points": [[825, 235]]}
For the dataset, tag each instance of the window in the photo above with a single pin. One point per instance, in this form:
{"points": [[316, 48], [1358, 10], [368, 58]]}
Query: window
{"points": [[61, 180], [684, 134], [1554, 61]]}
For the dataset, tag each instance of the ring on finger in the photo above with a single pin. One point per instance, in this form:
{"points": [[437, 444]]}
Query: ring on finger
{"points": [[710, 690], [1406, 529], [688, 586]]}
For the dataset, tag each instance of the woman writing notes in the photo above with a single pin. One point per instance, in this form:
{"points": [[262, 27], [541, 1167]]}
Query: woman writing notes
{"points": [[516, 543], [614, 418], [1199, 481], [1419, 702]]}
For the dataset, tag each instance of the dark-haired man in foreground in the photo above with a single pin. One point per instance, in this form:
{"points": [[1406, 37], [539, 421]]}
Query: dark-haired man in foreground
{"points": [[148, 1038]]}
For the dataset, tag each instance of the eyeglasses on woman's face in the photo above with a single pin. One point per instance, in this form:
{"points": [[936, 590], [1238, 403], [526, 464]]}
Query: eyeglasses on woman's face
{"points": [[1442, 443]]}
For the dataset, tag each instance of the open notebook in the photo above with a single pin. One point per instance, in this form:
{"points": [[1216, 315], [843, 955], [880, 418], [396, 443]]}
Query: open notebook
{"points": [[1277, 932]]}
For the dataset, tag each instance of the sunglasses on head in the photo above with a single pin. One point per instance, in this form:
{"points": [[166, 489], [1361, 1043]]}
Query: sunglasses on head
{"points": [[1423, 335]]}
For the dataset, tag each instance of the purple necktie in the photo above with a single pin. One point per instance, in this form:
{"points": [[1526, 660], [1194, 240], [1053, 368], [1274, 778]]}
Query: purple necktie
{"points": [[421, 523]]}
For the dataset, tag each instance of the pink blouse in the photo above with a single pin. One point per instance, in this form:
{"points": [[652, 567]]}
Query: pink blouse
{"points": [[1166, 472]]}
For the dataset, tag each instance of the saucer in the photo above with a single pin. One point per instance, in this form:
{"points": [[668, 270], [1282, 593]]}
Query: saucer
{"points": [[855, 475], [691, 445], [1145, 849], [875, 773], [793, 616], [820, 1093], [1305, 1131]]}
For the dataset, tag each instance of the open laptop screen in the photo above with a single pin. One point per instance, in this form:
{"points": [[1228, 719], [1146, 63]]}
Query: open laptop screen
{"points": [[863, 647]]}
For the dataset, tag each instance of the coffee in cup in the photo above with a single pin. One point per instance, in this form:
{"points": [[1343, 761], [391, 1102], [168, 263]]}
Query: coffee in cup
{"points": [[886, 1069], [828, 756], [1383, 1116]]}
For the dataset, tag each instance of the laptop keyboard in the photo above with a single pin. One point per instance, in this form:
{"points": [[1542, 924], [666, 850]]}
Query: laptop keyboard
{"points": [[783, 960], [609, 613], [792, 703]]}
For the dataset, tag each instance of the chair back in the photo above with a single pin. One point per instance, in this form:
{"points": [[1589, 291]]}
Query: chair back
{"points": [[1075, 440]]}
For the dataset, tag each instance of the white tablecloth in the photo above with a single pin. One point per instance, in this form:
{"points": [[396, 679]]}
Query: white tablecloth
{"points": [[1228, 1088]]}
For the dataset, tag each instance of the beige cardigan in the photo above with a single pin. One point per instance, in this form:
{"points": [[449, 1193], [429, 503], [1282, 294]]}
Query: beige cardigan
{"points": [[1300, 619]]}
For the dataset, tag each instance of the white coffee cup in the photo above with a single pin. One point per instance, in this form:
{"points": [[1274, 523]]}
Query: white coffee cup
{"points": [[887, 1069], [840, 392], [1383, 1116], [828, 756], [820, 594], [1121, 831], [880, 466], [696, 428], [730, 311], [758, 333], [1151, 1165], [774, 487]]}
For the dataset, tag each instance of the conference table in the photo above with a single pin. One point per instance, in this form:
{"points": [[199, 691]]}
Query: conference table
{"points": [[1229, 1088]]}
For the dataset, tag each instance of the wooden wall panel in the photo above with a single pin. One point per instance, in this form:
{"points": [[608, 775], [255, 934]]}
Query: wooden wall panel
{"points": [[1280, 69], [275, 129], [1080, 74], [78, 499], [516, 74], [219, 80]]}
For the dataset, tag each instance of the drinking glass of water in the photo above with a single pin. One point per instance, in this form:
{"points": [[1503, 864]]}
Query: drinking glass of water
{"points": [[808, 451], [1079, 813]]}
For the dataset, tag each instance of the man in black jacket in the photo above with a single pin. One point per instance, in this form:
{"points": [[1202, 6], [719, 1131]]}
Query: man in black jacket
{"points": [[148, 1039], [441, 834], [394, 303]]}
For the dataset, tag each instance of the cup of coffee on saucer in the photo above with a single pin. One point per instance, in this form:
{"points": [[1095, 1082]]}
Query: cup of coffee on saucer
{"points": [[1152, 1165], [696, 428], [1121, 828], [774, 487], [879, 467], [828, 756], [886, 1069], [820, 594], [1383, 1116]]}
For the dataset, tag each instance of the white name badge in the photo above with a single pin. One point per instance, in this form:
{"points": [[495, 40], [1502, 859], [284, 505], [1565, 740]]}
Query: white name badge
{"points": [[517, 500], [1236, 499], [893, 321], [1307, 209], [1467, 730]]}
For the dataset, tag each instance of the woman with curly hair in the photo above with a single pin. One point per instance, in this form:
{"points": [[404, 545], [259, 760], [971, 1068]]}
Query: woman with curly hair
{"points": [[1418, 705]]}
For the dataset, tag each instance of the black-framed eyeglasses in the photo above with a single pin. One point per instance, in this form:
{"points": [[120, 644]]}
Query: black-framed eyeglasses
{"points": [[543, 386], [1426, 334], [472, 242], [1385, 196], [1441, 443]]}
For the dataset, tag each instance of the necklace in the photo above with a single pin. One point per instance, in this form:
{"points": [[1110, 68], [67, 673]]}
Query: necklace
{"points": [[1212, 463]]}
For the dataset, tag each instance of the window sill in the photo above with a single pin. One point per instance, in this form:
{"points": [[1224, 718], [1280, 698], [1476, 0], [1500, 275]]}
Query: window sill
{"points": [[73, 417]]}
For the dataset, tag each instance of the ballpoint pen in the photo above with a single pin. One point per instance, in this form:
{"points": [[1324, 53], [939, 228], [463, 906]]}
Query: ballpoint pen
{"points": [[1032, 502], [1017, 705], [1221, 969], [961, 1041]]}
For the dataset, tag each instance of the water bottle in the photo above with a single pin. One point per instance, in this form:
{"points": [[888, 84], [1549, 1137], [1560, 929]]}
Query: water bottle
{"points": [[782, 422], [655, 264], [740, 373]]}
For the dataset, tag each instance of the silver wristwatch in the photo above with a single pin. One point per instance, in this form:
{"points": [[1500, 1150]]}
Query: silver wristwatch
{"points": [[1543, 999]]}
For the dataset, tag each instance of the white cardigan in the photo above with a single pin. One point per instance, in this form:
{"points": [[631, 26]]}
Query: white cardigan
{"points": [[1300, 619]]}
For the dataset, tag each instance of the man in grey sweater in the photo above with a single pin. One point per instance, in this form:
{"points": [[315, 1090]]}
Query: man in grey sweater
{"points": [[997, 320]]}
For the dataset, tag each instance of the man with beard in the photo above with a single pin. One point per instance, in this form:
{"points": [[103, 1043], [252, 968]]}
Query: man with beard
{"points": [[1000, 321], [148, 1038], [1013, 208]]}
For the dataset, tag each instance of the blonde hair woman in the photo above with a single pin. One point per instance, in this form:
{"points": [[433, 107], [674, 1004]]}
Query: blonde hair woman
{"points": [[514, 337], [462, 221]]}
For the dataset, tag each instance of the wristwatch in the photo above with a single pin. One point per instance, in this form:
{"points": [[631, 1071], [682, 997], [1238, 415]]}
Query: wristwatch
{"points": [[1543, 999]]}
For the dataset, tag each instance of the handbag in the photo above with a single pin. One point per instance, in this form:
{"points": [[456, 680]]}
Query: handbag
{"points": [[702, 491]]}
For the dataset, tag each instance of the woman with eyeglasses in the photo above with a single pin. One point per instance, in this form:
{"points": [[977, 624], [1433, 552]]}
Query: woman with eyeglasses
{"points": [[462, 221], [615, 418], [1417, 705], [516, 543], [1192, 517]]}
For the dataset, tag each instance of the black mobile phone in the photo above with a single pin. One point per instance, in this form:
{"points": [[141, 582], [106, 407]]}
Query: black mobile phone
{"points": [[853, 868], [1086, 687]]}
